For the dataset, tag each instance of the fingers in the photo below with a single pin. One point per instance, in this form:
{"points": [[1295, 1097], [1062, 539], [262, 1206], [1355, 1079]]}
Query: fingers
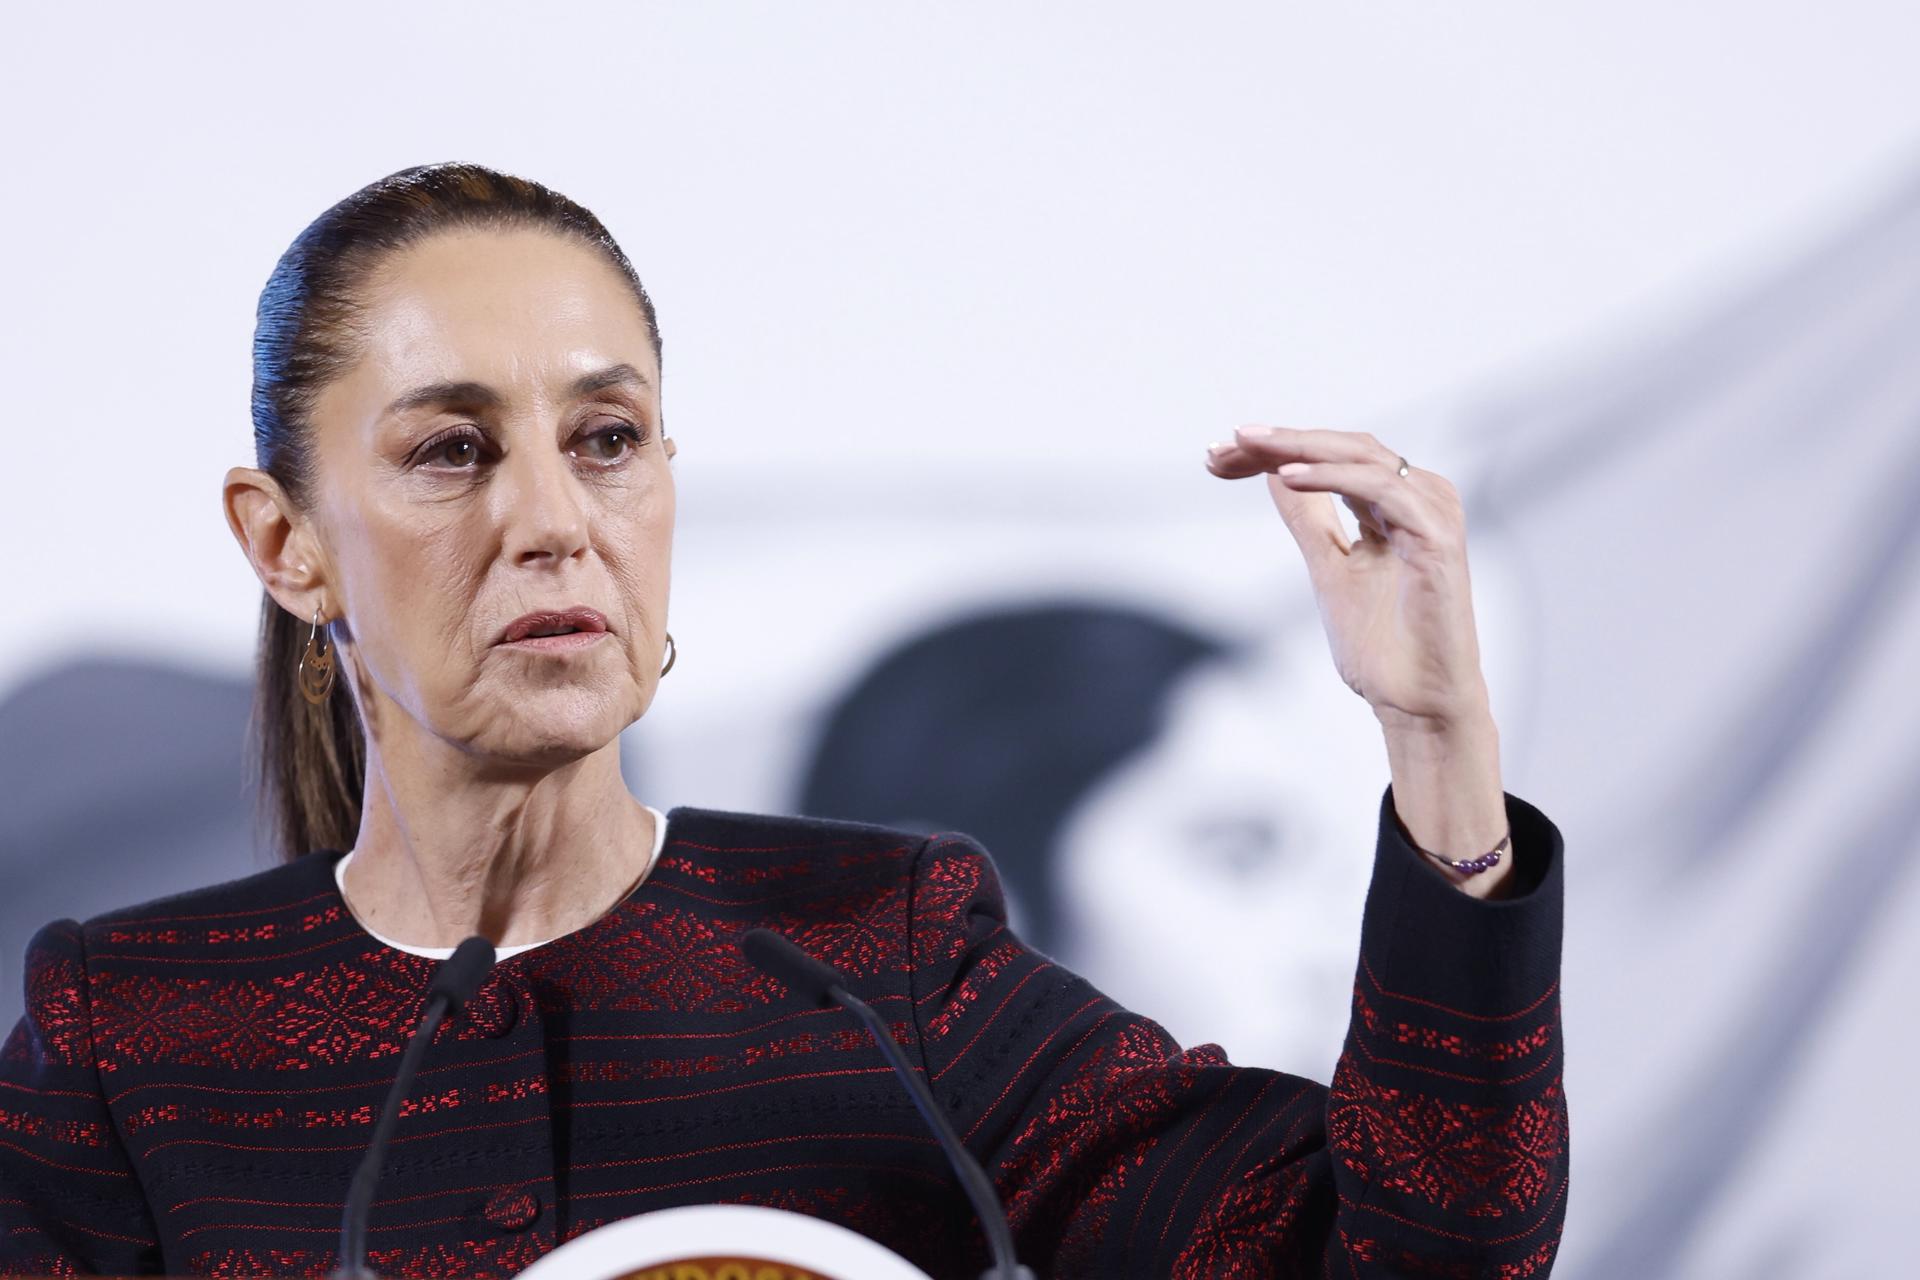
{"points": [[1256, 448], [1314, 524], [1352, 464], [1400, 504], [1371, 525], [1287, 443]]}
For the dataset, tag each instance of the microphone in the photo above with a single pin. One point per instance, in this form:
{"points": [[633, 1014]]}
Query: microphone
{"points": [[454, 983], [819, 983]]}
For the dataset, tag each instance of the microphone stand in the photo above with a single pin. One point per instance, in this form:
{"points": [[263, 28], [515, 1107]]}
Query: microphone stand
{"points": [[824, 985], [454, 983]]}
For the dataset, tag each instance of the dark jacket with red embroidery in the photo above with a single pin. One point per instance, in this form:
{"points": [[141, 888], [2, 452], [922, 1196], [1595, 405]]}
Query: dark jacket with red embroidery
{"points": [[195, 1079]]}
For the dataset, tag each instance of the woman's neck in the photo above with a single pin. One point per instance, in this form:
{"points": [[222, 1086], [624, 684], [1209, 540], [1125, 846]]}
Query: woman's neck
{"points": [[444, 852]]}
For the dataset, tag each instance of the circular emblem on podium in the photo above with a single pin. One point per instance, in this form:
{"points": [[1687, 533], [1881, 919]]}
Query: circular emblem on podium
{"points": [[723, 1242]]}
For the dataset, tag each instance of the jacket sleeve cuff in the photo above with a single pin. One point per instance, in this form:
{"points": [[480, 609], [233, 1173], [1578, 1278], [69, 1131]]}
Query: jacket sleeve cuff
{"points": [[1423, 938]]}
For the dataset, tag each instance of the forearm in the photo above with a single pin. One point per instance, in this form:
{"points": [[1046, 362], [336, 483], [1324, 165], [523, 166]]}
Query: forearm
{"points": [[1448, 794], [1447, 1119]]}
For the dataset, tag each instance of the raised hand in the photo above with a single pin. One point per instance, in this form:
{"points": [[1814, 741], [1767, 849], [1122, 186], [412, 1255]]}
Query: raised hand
{"points": [[1397, 607], [1396, 603]]}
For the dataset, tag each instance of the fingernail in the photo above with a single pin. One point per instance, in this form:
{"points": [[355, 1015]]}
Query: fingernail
{"points": [[1217, 447], [1254, 433], [1293, 469]]}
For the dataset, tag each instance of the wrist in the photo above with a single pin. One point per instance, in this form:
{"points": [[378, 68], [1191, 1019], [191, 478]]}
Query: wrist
{"points": [[1469, 716], [1448, 796], [1456, 748]]}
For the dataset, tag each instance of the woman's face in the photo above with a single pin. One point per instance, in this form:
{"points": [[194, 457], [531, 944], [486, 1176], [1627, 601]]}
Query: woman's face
{"points": [[1214, 881], [496, 452]]}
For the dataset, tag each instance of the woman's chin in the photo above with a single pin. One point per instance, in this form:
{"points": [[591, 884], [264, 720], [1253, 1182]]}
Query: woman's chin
{"points": [[528, 758], [545, 732]]}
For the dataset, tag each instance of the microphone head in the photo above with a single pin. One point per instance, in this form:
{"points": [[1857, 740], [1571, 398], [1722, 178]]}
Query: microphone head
{"points": [[775, 956], [461, 973]]}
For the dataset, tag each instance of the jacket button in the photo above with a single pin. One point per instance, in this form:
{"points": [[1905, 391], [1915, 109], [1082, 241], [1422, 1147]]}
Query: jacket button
{"points": [[494, 1010], [512, 1209]]}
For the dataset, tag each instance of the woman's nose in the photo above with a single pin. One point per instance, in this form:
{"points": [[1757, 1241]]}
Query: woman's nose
{"points": [[541, 510]]}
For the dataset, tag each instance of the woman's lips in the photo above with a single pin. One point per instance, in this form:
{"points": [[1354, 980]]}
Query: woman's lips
{"points": [[555, 630], [556, 644]]}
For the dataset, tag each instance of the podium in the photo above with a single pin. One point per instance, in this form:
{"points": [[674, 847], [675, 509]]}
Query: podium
{"points": [[723, 1242]]}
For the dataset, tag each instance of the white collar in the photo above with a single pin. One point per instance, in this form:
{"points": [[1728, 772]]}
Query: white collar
{"points": [[441, 953]]}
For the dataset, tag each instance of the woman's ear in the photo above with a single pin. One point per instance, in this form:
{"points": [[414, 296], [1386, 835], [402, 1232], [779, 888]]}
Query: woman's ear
{"points": [[672, 448], [278, 540]]}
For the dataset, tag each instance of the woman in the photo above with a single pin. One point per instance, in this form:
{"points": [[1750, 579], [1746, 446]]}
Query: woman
{"points": [[1138, 733], [921, 735], [462, 517]]}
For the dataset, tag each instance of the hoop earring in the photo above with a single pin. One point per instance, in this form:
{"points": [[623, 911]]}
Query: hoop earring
{"points": [[316, 666], [672, 653]]}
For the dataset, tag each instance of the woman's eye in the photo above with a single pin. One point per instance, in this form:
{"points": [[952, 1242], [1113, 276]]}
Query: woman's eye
{"points": [[1242, 846], [612, 444], [458, 453]]}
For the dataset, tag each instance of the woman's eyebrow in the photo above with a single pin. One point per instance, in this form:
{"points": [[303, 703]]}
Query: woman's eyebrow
{"points": [[445, 394], [612, 376], [480, 395]]}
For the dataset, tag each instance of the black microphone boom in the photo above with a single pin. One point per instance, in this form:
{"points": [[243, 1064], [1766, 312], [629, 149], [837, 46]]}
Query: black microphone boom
{"points": [[454, 983], [819, 983]]}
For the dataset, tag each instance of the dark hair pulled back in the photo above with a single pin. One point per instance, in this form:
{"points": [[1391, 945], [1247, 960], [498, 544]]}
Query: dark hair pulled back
{"points": [[312, 759]]}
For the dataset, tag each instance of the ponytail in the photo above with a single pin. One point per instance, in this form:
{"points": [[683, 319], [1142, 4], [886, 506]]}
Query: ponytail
{"points": [[312, 759]]}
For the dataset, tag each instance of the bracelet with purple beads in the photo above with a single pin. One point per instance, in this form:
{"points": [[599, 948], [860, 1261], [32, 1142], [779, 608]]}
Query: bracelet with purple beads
{"points": [[1473, 866]]}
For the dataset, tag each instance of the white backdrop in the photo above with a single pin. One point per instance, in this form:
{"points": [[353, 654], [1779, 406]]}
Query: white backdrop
{"points": [[952, 302]]}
